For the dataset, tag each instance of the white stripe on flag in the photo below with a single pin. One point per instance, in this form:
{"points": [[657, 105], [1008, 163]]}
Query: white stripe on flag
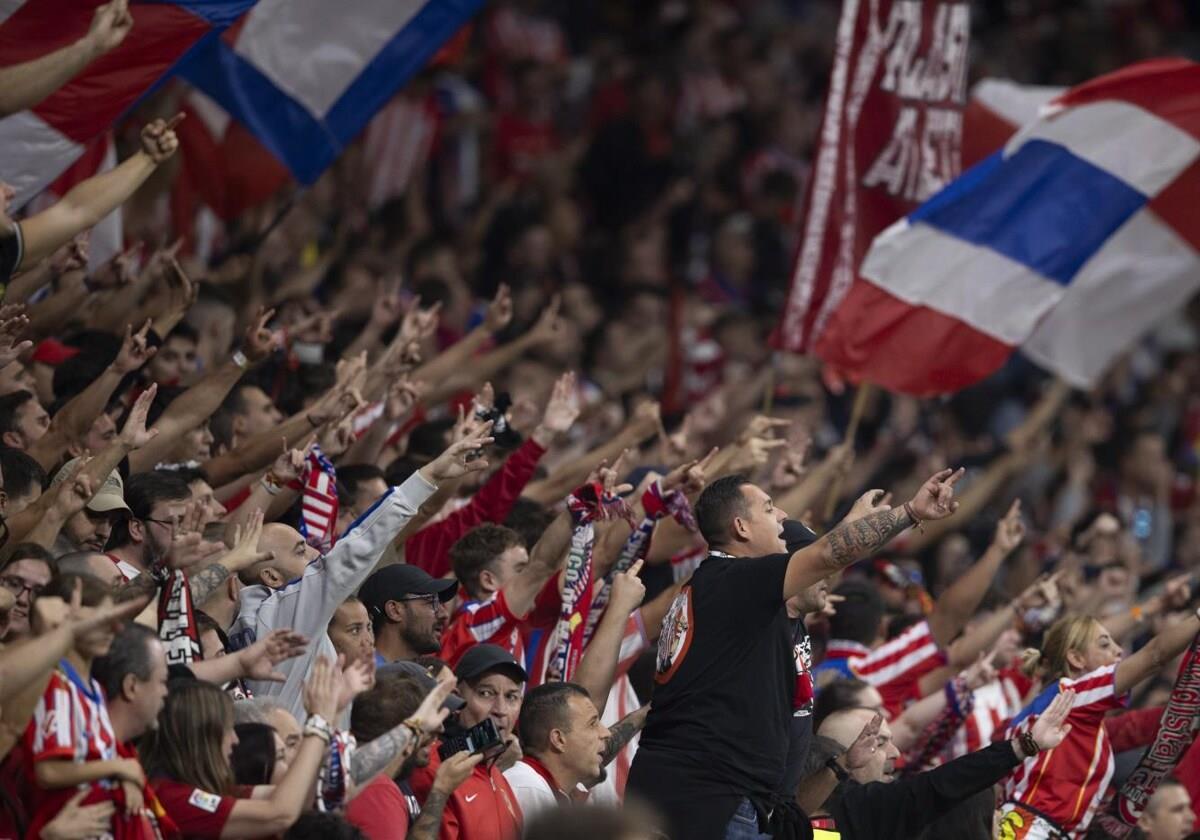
{"points": [[995, 295], [1142, 272], [1017, 104], [34, 154], [1129, 142], [337, 42]]}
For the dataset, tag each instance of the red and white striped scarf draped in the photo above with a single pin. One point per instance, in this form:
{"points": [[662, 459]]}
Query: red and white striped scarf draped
{"points": [[656, 504], [319, 506], [176, 617], [587, 505]]}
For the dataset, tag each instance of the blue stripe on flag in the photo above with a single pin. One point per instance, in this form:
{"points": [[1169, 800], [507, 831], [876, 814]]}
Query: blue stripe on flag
{"points": [[220, 13], [303, 141], [1042, 207], [280, 123], [399, 60]]}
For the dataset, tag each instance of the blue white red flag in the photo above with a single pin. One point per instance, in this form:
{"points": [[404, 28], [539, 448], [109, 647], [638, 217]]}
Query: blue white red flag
{"points": [[305, 76], [1070, 243]]}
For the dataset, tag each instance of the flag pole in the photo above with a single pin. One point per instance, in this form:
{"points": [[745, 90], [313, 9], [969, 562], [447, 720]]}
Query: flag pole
{"points": [[861, 396]]}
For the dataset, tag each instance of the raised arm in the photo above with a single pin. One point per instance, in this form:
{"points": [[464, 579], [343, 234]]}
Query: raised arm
{"points": [[954, 608], [24, 85], [197, 404], [850, 542], [1156, 654], [545, 560], [598, 667], [90, 201]]}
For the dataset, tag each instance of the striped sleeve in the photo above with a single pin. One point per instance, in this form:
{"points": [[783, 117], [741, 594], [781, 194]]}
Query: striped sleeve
{"points": [[1097, 691], [479, 622], [51, 733], [905, 658]]}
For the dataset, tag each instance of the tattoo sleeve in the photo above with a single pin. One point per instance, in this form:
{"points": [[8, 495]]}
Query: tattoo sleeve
{"points": [[370, 759], [850, 542], [621, 733], [427, 825], [142, 585], [206, 581]]}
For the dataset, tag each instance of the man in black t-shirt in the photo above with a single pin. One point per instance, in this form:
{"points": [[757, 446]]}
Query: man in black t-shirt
{"points": [[714, 749]]}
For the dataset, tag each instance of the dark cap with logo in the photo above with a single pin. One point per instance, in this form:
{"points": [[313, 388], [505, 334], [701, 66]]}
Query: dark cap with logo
{"points": [[395, 583], [483, 659]]}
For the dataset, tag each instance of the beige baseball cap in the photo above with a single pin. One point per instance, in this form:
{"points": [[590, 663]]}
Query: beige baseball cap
{"points": [[110, 496]]}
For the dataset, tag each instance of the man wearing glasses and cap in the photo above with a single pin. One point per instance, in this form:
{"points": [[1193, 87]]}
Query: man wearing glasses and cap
{"points": [[408, 611]]}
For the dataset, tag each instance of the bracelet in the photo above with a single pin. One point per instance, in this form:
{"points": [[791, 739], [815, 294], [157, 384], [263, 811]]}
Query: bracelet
{"points": [[917, 523], [317, 725], [838, 770], [417, 733], [239, 359], [1028, 745], [270, 485], [415, 725]]}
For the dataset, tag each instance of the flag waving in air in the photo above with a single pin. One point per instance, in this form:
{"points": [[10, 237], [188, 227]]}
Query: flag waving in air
{"points": [[1070, 243]]}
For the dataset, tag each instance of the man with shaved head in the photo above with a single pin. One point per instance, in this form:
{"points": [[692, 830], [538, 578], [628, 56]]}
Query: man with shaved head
{"points": [[299, 588], [870, 802]]}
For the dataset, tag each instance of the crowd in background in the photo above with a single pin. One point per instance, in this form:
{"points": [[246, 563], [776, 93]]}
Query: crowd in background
{"points": [[287, 502]]}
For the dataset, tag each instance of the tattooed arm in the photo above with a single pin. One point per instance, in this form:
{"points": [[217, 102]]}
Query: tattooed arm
{"points": [[855, 540], [622, 732], [452, 773], [370, 759]]}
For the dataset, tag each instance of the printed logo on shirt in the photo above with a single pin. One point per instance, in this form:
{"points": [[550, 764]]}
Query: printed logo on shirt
{"points": [[204, 801], [471, 798], [678, 628], [803, 701]]}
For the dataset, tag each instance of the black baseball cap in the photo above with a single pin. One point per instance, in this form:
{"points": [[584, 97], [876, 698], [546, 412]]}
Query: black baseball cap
{"points": [[393, 583], [407, 668], [482, 659], [797, 535]]}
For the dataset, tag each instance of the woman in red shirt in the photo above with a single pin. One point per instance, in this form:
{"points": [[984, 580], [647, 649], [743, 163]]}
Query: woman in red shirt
{"points": [[188, 761]]}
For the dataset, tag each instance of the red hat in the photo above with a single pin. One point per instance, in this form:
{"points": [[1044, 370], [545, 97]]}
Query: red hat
{"points": [[53, 352]]}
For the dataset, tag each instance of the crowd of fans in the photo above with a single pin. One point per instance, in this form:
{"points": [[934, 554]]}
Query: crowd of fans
{"points": [[374, 511]]}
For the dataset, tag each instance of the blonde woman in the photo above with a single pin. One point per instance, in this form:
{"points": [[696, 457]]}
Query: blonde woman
{"points": [[1055, 793]]}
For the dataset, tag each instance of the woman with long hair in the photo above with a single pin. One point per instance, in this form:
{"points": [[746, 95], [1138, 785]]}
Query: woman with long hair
{"points": [[1056, 793], [188, 760]]}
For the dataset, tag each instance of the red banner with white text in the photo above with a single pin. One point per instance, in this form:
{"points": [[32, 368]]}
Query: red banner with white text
{"points": [[889, 139]]}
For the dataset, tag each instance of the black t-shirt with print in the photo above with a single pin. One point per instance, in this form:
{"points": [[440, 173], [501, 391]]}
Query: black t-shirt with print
{"points": [[726, 680], [801, 725]]}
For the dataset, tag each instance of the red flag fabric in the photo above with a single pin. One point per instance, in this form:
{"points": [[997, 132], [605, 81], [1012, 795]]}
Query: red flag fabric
{"points": [[890, 138]]}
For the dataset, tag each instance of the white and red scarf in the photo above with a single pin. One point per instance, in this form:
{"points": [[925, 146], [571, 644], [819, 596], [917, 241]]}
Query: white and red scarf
{"points": [[176, 616], [319, 502]]}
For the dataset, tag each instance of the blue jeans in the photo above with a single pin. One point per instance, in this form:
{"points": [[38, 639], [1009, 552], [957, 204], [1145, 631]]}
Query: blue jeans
{"points": [[744, 824]]}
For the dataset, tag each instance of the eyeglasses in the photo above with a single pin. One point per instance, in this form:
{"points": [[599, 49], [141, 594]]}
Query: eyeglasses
{"points": [[430, 601], [171, 524], [18, 585]]}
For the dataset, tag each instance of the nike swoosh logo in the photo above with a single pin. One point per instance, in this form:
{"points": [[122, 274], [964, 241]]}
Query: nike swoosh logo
{"points": [[471, 798]]}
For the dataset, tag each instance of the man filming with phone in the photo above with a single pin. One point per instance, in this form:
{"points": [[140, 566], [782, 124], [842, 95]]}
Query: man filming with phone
{"points": [[483, 807]]}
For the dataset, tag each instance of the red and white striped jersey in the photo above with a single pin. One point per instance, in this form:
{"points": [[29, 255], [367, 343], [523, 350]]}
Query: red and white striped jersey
{"points": [[70, 721], [492, 622], [1067, 783], [995, 704], [894, 667]]}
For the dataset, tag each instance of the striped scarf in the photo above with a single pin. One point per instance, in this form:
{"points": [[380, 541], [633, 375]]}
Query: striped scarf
{"points": [[587, 505], [1176, 732], [176, 617], [335, 770], [318, 523], [656, 504]]}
